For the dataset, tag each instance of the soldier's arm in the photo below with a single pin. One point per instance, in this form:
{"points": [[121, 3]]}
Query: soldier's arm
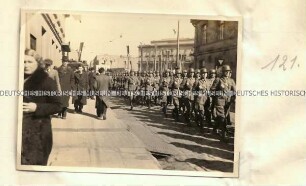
{"points": [[215, 84]]}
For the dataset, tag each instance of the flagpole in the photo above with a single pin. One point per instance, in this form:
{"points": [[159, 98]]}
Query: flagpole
{"points": [[178, 46]]}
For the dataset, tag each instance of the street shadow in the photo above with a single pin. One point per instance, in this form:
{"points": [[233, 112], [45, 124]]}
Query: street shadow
{"points": [[212, 164], [204, 142], [200, 140], [207, 150]]}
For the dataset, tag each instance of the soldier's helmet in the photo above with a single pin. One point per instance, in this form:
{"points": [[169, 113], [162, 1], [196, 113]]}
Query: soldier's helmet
{"points": [[184, 71], [226, 68], [203, 70], [150, 72], [198, 71], [212, 71], [157, 72], [191, 70]]}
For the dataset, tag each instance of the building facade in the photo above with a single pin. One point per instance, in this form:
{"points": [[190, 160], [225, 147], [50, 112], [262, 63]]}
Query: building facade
{"points": [[45, 33], [215, 44], [109, 62], [161, 55]]}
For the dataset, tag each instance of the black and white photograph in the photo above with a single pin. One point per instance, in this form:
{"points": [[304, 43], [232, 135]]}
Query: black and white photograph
{"points": [[129, 93]]}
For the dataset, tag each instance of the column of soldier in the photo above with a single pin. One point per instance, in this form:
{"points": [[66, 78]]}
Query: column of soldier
{"points": [[183, 90]]}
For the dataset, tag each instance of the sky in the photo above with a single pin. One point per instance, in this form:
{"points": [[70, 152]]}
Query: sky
{"points": [[111, 33]]}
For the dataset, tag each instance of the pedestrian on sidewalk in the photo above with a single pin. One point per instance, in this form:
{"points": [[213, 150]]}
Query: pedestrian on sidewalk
{"points": [[102, 85], [81, 85], [66, 77], [53, 74], [36, 121]]}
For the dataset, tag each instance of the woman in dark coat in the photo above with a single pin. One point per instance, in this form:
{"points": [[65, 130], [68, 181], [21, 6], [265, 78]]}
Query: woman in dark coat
{"points": [[36, 123], [66, 77]]}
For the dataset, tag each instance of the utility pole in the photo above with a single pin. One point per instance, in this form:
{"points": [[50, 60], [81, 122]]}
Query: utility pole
{"points": [[178, 62]]}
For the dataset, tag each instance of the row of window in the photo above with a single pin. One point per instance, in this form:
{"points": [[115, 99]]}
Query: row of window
{"points": [[204, 32], [33, 43]]}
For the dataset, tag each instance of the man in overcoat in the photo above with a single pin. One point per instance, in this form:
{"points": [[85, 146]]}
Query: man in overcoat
{"points": [[66, 79], [102, 85], [81, 87]]}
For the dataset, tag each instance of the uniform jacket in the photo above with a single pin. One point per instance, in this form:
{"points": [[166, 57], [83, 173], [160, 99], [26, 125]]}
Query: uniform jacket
{"points": [[224, 86], [133, 83]]}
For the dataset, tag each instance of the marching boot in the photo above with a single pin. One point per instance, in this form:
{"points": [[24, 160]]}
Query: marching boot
{"points": [[217, 124]]}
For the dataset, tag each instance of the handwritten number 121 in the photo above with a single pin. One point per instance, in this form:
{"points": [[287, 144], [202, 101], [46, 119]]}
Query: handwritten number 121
{"points": [[283, 63]]}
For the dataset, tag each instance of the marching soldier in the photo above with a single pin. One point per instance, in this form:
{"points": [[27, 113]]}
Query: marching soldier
{"points": [[170, 99], [164, 87], [182, 106], [189, 95], [211, 110], [223, 85], [156, 86], [149, 83], [177, 81], [197, 79], [202, 86], [132, 87]]}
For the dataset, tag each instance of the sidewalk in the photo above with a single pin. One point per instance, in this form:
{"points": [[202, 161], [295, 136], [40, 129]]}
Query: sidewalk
{"points": [[82, 140]]}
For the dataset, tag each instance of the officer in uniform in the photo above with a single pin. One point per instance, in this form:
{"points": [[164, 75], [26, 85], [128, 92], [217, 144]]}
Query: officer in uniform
{"points": [[132, 87], [189, 95], [149, 82], [164, 88], [175, 86], [224, 85]]}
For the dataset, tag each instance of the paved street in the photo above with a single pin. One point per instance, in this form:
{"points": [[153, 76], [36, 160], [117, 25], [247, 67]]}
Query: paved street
{"points": [[140, 138]]}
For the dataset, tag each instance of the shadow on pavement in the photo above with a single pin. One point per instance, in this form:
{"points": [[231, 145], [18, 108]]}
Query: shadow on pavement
{"points": [[212, 164], [188, 138]]}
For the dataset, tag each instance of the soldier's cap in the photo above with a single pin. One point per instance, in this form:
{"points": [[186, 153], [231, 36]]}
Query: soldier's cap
{"points": [[203, 70], [178, 72], [212, 71], [150, 72], [191, 70], [198, 71], [184, 71], [226, 68], [167, 70]]}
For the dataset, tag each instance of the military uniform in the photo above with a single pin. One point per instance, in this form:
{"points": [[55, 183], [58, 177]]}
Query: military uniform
{"points": [[211, 114], [149, 84], [224, 85], [182, 106], [133, 83], [201, 101], [165, 84], [177, 81], [189, 97]]}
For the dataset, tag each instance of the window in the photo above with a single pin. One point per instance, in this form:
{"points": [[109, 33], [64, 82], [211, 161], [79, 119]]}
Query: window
{"points": [[221, 30], [204, 36], [32, 42]]}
